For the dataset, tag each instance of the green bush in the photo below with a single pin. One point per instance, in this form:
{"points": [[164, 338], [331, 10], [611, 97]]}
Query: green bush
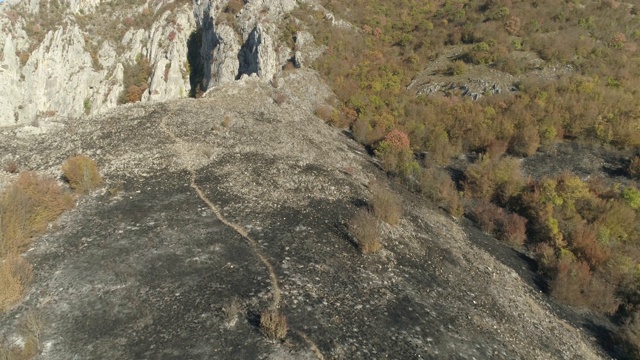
{"points": [[631, 196]]}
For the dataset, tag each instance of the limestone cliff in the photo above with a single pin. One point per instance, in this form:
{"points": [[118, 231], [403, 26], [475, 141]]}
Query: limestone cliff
{"points": [[68, 58], [86, 56]]}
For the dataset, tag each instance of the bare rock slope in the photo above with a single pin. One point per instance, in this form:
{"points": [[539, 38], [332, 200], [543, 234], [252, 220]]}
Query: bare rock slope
{"points": [[235, 196]]}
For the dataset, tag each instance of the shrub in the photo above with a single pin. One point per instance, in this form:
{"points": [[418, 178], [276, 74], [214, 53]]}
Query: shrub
{"points": [[26, 207], [15, 275], [273, 324], [514, 230], [136, 77], [569, 282], [234, 6], [479, 182], [385, 204], [488, 217], [585, 243], [458, 67], [11, 167], [82, 173], [631, 196], [231, 310], [508, 179], [525, 142], [395, 152], [436, 185], [364, 228]]}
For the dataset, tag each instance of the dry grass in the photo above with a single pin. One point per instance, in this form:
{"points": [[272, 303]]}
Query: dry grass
{"points": [[273, 324], [231, 311], [30, 329], [82, 173], [15, 275], [364, 228], [385, 204], [27, 206]]}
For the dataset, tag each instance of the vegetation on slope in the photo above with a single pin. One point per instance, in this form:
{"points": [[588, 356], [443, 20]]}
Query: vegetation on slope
{"points": [[27, 207], [583, 233]]}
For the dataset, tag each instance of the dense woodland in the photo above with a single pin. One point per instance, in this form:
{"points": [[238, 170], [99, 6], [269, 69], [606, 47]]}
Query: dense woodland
{"points": [[585, 234]]}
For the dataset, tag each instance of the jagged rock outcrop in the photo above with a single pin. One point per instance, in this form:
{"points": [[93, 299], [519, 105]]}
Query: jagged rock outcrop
{"points": [[224, 58], [71, 60], [257, 55]]}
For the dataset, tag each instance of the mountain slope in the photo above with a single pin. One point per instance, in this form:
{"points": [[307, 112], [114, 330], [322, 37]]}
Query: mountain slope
{"points": [[143, 270]]}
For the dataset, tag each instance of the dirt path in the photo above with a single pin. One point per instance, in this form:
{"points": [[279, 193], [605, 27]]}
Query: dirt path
{"points": [[275, 288]]}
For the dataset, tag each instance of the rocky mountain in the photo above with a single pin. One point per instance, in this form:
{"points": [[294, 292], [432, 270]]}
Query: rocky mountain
{"points": [[217, 209], [77, 58], [236, 199]]}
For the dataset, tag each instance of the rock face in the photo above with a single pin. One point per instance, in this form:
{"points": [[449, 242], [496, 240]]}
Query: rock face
{"points": [[225, 58], [69, 60]]}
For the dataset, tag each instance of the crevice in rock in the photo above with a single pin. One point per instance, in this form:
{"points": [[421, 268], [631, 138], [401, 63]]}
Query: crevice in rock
{"points": [[248, 55], [196, 64]]}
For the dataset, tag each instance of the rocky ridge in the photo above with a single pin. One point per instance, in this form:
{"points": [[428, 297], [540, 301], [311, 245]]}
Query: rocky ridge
{"points": [[143, 269]]}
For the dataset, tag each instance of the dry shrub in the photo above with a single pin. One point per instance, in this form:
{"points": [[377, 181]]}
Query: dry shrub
{"points": [[545, 254], [134, 93], [514, 230], [575, 285], [525, 142], [436, 185], [496, 148], [30, 329], [226, 122], [364, 228], [324, 112], [15, 275], [479, 180], [82, 173], [488, 217], [232, 310], [571, 278], [26, 208], [585, 243], [385, 204], [273, 324]]}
